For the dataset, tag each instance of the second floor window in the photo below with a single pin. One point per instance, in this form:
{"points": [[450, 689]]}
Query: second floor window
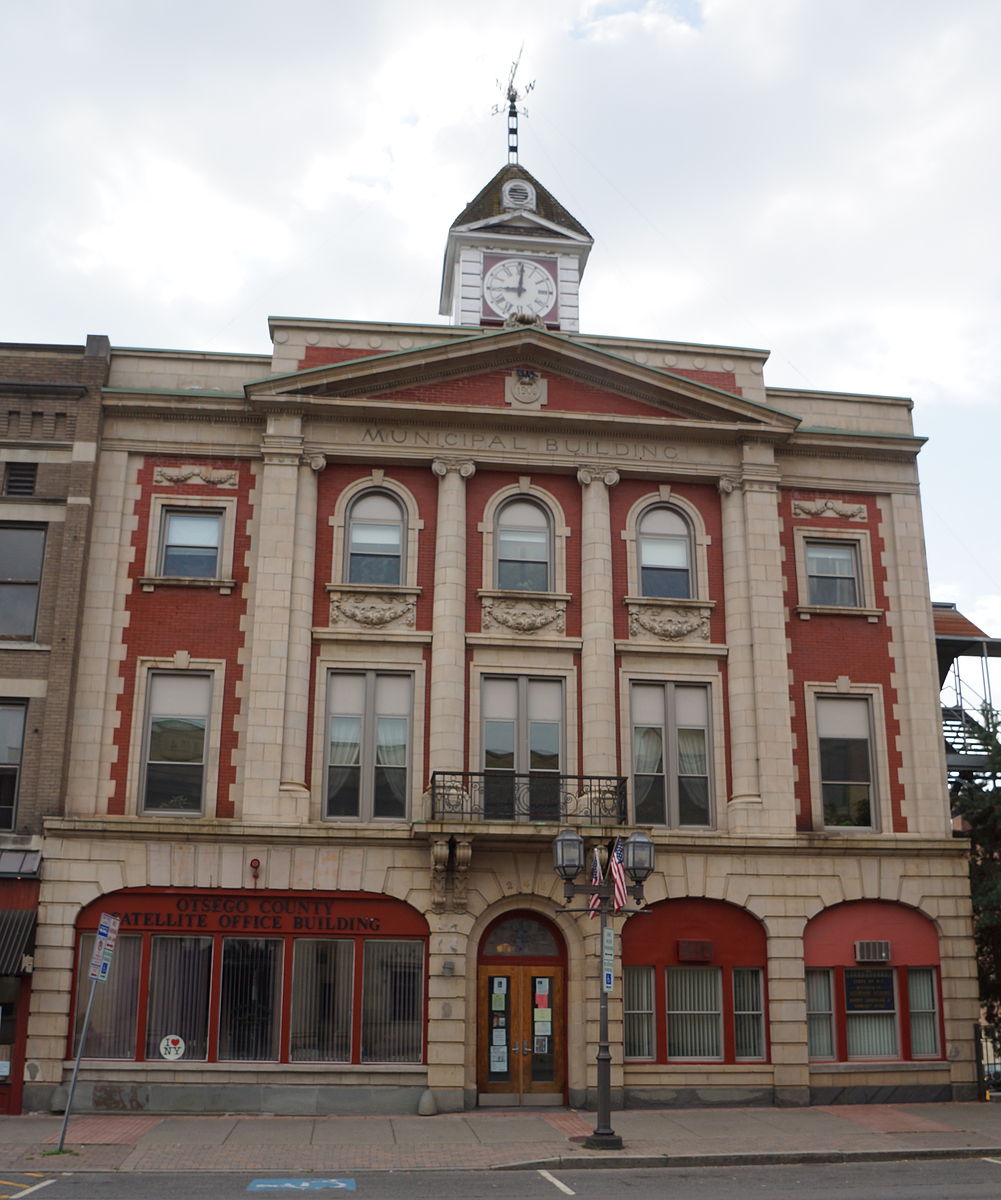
{"points": [[524, 548], [368, 747], [671, 777], [177, 724], [375, 540], [522, 737], [11, 742], [843, 726], [21, 550]]}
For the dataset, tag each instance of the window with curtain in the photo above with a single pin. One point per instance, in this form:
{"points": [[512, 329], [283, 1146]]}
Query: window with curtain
{"points": [[375, 540], [112, 1029], [180, 972], [522, 747], [663, 546], [843, 731], [392, 1023], [832, 574], [671, 777], [694, 1012], [524, 547], [637, 1005], [250, 999], [191, 539], [177, 724], [322, 995], [368, 744]]}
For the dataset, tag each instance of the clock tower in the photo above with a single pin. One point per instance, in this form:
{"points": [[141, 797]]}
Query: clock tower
{"points": [[514, 251]]}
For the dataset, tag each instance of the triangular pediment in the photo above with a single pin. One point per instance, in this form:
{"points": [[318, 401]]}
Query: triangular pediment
{"points": [[450, 375], [488, 205]]}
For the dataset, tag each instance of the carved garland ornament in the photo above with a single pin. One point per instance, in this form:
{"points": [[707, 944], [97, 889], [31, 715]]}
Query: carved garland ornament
{"points": [[524, 616], [372, 611], [186, 474], [828, 508], [669, 625]]}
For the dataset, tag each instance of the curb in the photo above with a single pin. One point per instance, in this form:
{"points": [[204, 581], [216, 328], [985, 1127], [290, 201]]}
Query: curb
{"points": [[746, 1159]]}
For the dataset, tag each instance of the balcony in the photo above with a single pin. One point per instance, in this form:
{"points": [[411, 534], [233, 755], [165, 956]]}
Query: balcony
{"points": [[542, 796]]}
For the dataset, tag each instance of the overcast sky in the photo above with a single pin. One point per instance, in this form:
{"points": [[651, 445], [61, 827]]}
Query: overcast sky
{"points": [[815, 177]]}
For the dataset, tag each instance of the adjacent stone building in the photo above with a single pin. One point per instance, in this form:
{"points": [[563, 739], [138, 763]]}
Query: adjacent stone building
{"points": [[369, 620]]}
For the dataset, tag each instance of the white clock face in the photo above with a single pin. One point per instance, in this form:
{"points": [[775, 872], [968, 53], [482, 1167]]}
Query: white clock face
{"points": [[519, 285]]}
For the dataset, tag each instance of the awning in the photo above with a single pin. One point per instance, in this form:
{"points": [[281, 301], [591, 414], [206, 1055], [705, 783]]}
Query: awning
{"points": [[17, 938]]}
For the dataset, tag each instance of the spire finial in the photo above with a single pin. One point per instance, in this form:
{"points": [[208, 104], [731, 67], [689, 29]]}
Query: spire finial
{"points": [[513, 96]]}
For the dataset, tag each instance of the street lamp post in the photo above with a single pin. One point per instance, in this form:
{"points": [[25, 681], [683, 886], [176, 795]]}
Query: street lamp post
{"points": [[568, 862]]}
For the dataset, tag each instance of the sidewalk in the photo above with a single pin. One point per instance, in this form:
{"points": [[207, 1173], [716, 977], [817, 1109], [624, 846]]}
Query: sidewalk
{"points": [[485, 1140]]}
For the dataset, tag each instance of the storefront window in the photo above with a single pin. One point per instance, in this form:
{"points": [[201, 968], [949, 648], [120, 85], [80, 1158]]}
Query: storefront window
{"points": [[322, 982], [392, 1002], [112, 1029], [180, 972]]}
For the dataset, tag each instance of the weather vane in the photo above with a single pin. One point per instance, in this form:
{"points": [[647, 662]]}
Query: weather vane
{"points": [[513, 96]]}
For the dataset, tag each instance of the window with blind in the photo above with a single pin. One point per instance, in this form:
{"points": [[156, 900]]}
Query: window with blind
{"points": [[139, 1006], [176, 728], [637, 1003], [375, 540], [664, 550], [846, 775], [190, 543], [694, 1013], [882, 1012], [524, 547]]}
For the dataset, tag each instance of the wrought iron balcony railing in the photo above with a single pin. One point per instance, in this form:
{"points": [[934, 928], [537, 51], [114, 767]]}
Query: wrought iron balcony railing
{"points": [[538, 796]]}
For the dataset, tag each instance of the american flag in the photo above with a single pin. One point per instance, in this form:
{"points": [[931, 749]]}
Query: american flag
{"points": [[618, 872], [594, 903]]}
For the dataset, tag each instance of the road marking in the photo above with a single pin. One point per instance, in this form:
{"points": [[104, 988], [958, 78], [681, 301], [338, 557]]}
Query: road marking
{"points": [[34, 1188], [556, 1183], [996, 1161], [300, 1185]]}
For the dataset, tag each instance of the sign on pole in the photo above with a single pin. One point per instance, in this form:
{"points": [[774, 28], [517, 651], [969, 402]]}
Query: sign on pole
{"points": [[104, 948], [607, 959]]}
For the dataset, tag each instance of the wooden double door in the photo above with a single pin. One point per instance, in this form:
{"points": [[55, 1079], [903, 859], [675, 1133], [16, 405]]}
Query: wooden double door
{"points": [[521, 1034]]}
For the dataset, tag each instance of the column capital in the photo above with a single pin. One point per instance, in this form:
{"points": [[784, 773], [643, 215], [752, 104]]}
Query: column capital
{"points": [[728, 484], [464, 467], [317, 462], [590, 474]]}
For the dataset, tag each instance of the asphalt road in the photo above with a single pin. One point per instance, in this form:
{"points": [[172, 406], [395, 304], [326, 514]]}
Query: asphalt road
{"points": [[928, 1179]]}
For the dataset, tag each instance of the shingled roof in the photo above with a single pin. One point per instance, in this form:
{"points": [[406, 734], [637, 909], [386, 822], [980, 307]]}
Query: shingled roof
{"points": [[488, 204]]}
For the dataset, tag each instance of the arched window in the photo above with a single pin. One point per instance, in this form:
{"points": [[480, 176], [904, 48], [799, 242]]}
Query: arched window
{"points": [[664, 544], [375, 540], [524, 547]]}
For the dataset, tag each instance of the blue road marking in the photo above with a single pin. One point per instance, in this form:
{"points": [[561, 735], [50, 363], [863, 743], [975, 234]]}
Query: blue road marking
{"points": [[301, 1185]]}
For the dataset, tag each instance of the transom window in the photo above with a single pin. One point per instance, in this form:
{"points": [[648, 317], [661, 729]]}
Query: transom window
{"points": [[375, 540], [664, 549], [177, 724], [843, 726], [671, 777], [369, 739], [191, 540], [524, 547], [21, 551], [832, 574]]}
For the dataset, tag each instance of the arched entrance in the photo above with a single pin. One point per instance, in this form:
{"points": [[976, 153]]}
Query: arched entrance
{"points": [[521, 1012]]}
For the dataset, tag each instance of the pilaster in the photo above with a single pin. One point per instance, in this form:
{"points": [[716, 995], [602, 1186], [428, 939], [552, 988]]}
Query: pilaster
{"points": [[597, 617]]}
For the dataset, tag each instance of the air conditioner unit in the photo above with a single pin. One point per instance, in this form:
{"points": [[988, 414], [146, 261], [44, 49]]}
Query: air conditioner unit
{"points": [[872, 952]]}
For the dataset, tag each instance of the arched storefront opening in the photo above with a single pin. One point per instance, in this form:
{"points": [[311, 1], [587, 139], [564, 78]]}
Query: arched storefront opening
{"points": [[521, 1012]]}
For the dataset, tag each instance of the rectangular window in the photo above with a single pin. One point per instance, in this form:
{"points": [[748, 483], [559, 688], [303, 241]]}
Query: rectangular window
{"points": [[748, 1014], [22, 548], [832, 574], [522, 748], [694, 1013], [843, 727], [180, 972], [191, 541], [637, 1004], [322, 994], [671, 780], [250, 999], [177, 724], [871, 1012], [368, 744], [112, 1029], [11, 745], [392, 1021], [922, 993], [819, 1014]]}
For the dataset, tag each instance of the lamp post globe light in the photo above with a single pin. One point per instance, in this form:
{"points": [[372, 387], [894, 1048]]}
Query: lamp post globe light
{"points": [[637, 862]]}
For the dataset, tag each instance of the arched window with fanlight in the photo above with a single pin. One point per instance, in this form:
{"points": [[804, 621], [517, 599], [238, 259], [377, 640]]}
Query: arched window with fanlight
{"points": [[664, 549], [375, 541], [524, 547]]}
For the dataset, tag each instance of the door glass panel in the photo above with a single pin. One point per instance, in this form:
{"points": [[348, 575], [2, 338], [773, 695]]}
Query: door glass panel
{"points": [[499, 1025], [520, 936], [543, 1057]]}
